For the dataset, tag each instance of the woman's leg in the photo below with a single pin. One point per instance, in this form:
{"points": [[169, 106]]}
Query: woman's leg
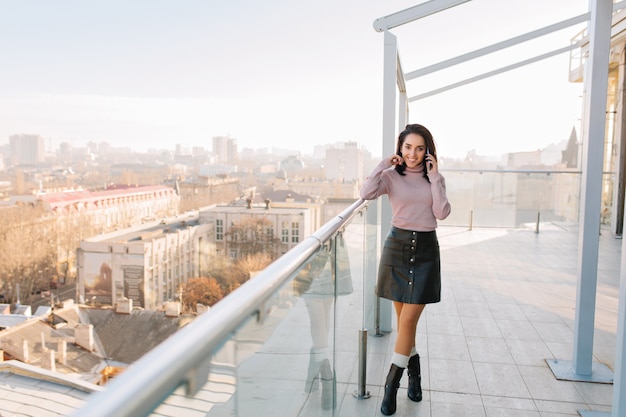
{"points": [[408, 315]]}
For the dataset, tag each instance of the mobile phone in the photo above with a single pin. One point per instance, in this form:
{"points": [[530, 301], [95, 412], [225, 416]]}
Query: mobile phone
{"points": [[430, 165]]}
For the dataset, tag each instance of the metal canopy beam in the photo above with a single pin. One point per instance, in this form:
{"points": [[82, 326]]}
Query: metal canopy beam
{"points": [[492, 73], [414, 13], [498, 46]]}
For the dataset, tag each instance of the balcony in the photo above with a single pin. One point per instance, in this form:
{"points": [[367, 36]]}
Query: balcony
{"points": [[291, 343]]}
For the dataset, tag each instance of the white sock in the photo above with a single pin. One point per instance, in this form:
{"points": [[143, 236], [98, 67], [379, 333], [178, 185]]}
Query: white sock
{"points": [[401, 361], [413, 352]]}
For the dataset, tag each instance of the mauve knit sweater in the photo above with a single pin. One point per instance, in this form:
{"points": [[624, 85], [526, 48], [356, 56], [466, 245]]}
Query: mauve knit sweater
{"points": [[415, 204]]}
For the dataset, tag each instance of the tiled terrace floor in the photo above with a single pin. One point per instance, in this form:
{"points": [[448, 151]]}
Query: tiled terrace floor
{"points": [[508, 304]]}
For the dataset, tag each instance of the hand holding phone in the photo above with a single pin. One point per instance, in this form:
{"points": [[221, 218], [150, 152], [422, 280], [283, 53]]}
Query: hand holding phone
{"points": [[429, 164]]}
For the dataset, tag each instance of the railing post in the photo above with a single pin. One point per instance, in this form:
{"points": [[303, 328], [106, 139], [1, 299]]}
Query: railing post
{"points": [[538, 219], [471, 219], [377, 331], [360, 392]]}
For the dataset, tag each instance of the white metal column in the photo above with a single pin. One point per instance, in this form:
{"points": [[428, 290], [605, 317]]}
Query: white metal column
{"points": [[388, 147], [582, 367]]}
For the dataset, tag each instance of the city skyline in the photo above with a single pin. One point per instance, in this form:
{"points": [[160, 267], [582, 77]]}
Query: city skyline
{"points": [[275, 75]]}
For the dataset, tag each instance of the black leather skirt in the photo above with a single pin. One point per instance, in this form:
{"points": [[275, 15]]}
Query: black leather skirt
{"points": [[410, 267]]}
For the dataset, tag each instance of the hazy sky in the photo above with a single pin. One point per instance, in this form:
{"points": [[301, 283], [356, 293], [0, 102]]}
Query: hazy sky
{"points": [[275, 73]]}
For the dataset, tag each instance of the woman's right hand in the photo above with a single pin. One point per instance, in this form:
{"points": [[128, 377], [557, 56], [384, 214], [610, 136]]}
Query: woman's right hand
{"points": [[396, 160]]}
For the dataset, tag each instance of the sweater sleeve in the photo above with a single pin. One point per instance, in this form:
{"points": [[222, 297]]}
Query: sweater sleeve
{"points": [[374, 185], [441, 205]]}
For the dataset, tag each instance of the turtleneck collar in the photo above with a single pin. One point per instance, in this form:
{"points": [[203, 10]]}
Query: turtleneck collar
{"points": [[418, 168]]}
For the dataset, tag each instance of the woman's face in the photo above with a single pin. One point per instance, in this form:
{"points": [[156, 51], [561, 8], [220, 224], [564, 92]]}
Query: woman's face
{"points": [[413, 150]]}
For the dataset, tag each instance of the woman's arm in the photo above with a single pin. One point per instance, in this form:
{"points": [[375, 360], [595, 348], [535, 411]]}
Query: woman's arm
{"points": [[441, 205], [374, 186]]}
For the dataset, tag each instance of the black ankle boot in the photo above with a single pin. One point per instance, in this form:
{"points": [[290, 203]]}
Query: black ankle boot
{"points": [[415, 378], [388, 406]]}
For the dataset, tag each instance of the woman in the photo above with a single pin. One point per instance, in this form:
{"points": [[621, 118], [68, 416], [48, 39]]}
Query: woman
{"points": [[409, 270]]}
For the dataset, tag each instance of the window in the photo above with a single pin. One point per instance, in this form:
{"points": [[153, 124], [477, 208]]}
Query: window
{"points": [[295, 232], [284, 232], [219, 230], [233, 254]]}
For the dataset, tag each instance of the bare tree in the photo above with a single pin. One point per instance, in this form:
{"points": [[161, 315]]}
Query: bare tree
{"points": [[230, 274], [27, 234], [72, 227], [252, 235]]}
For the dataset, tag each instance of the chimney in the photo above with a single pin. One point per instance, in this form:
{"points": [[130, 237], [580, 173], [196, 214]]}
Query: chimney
{"points": [[62, 349], [124, 306], [267, 203], [201, 308], [25, 357], [47, 360], [84, 336], [172, 309]]}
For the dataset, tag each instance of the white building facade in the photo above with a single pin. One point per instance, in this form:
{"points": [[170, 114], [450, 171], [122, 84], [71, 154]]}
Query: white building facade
{"points": [[283, 227], [147, 265]]}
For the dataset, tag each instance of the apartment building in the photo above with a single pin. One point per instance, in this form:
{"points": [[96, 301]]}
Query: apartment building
{"points": [[26, 149], [147, 264], [239, 229], [81, 214]]}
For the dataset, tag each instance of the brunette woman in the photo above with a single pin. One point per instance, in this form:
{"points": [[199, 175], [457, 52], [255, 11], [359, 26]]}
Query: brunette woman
{"points": [[409, 272]]}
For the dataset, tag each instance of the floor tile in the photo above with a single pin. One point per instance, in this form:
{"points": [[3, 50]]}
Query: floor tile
{"points": [[500, 380], [544, 386], [455, 376], [448, 347], [483, 349], [527, 352]]}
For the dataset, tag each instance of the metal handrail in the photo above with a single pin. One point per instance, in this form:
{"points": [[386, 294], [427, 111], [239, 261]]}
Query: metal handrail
{"points": [[179, 359]]}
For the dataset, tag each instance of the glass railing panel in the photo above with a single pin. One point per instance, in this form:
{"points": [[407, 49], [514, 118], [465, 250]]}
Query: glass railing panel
{"points": [[607, 207], [512, 198], [350, 252], [293, 360], [279, 364], [268, 348]]}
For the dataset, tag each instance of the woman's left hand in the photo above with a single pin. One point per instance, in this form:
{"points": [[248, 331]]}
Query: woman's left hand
{"points": [[431, 164]]}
